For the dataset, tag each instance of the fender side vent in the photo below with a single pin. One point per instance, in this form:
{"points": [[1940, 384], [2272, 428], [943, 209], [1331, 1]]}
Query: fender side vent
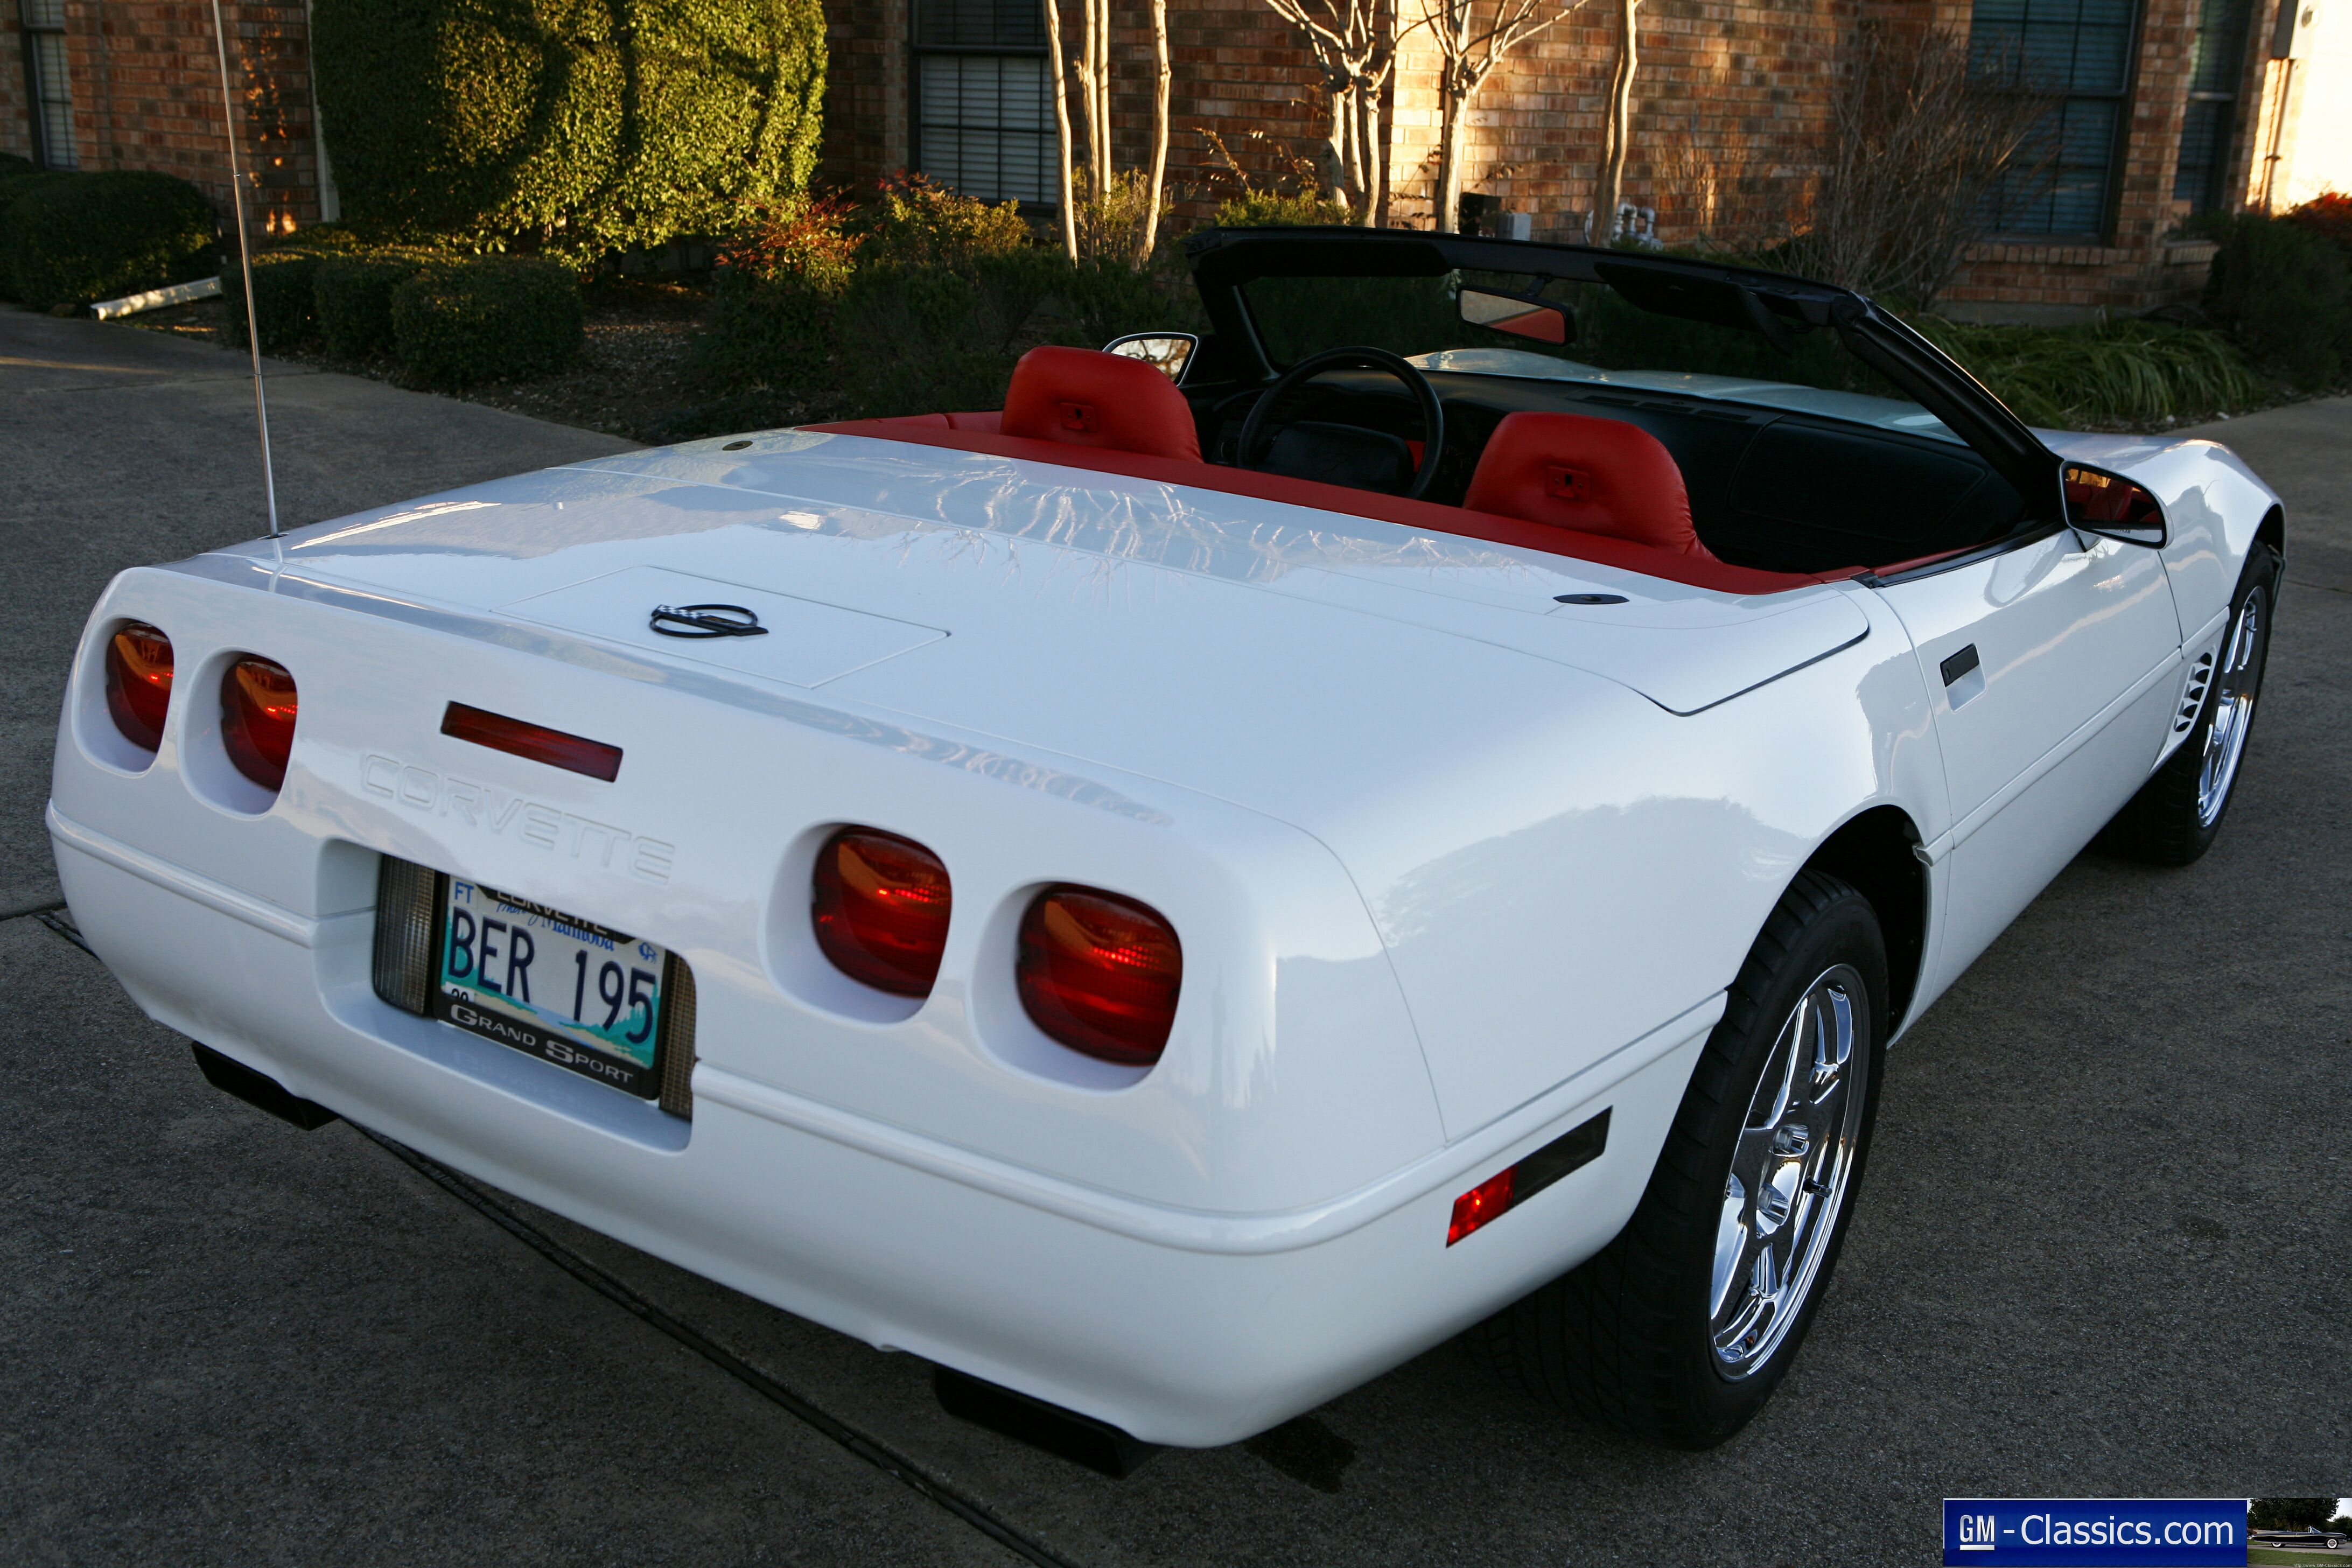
{"points": [[2192, 697]]}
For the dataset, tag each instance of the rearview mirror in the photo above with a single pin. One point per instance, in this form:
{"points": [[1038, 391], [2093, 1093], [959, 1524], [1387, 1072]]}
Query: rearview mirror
{"points": [[2112, 506], [1170, 352], [1519, 317]]}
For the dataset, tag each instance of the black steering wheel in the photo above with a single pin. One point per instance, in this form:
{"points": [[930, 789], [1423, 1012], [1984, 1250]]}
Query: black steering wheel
{"points": [[1255, 428]]}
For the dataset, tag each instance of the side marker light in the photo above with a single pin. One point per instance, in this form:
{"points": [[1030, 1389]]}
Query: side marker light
{"points": [[1499, 1194]]}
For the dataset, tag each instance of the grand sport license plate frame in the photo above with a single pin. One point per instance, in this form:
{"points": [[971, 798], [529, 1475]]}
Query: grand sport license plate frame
{"points": [[542, 996]]}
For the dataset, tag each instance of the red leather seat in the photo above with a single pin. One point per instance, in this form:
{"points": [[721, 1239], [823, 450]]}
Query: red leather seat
{"points": [[1595, 476], [1088, 398]]}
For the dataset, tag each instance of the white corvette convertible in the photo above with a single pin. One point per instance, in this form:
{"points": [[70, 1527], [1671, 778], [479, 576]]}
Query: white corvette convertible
{"points": [[1421, 807]]}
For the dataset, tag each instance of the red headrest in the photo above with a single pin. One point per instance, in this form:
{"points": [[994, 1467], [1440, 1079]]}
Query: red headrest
{"points": [[1089, 398], [1595, 476]]}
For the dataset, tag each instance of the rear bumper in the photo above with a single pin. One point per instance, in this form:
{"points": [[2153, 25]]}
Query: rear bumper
{"points": [[1177, 1325]]}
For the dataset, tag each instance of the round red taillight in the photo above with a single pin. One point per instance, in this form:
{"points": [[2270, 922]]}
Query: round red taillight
{"points": [[257, 712], [880, 908], [1100, 974], [138, 682]]}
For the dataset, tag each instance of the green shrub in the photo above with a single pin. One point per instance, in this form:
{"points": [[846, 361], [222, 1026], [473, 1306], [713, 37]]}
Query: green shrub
{"points": [[921, 301], [11, 164], [777, 336], [2104, 375], [927, 224], [81, 238], [1104, 298], [493, 318], [1266, 209], [284, 287], [2282, 294], [16, 183], [354, 296], [282, 297], [2329, 215], [581, 126]]}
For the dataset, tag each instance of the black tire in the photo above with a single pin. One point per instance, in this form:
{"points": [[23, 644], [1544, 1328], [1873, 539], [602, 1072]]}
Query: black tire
{"points": [[2164, 824], [1628, 1340]]}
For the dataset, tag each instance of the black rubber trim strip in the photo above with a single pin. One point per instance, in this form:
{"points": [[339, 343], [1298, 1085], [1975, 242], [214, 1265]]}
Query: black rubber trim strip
{"points": [[880, 1456]]}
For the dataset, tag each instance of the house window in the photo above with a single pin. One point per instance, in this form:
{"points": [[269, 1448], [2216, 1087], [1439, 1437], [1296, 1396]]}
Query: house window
{"points": [[45, 81], [2078, 53], [2219, 60], [984, 111]]}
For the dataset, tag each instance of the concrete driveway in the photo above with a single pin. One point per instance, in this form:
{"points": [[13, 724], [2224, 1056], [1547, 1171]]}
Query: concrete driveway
{"points": [[2101, 1253]]}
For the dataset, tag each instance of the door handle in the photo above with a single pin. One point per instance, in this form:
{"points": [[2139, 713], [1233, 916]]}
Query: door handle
{"points": [[1963, 674]]}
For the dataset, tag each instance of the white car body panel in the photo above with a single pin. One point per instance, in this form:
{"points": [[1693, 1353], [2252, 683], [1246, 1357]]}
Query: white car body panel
{"points": [[1455, 868]]}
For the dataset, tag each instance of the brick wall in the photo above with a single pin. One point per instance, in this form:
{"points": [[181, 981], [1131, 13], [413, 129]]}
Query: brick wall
{"points": [[145, 82], [1730, 101], [866, 111], [15, 109]]}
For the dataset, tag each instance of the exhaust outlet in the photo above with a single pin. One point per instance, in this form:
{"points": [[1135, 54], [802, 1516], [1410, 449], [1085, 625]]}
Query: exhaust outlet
{"points": [[1065, 1434], [255, 1088]]}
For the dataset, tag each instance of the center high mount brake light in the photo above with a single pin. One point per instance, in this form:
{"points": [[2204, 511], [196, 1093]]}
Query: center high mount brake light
{"points": [[532, 743]]}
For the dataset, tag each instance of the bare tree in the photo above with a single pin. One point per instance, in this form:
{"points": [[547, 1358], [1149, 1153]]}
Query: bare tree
{"points": [[1063, 182], [1113, 207], [1619, 135], [1474, 37], [1163, 77], [1354, 43], [1915, 141]]}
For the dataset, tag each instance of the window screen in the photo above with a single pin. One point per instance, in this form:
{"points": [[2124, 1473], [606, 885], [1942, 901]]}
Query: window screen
{"points": [[45, 69], [2078, 52], [983, 116], [2219, 59]]}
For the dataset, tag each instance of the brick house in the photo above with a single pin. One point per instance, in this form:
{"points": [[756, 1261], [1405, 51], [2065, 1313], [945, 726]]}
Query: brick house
{"points": [[2169, 107], [135, 84]]}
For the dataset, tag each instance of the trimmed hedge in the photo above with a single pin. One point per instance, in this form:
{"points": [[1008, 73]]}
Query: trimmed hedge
{"points": [[460, 322], [354, 300], [81, 238], [581, 126], [282, 279], [921, 301], [2283, 293], [282, 298], [16, 183]]}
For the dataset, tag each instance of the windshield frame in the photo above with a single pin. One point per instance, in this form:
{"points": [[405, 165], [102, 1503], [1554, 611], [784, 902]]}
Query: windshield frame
{"points": [[1223, 260]]}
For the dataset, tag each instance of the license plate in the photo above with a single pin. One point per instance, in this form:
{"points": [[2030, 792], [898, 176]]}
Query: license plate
{"points": [[547, 983]]}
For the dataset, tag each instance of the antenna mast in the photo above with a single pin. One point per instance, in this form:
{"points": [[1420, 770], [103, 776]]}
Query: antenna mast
{"points": [[245, 260]]}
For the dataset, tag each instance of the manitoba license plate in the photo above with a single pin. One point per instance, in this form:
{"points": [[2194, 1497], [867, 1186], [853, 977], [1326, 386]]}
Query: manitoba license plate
{"points": [[544, 982]]}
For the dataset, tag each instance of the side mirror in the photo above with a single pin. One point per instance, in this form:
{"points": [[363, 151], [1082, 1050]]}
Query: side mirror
{"points": [[2112, 506], [1521, 318], [1171, 351]]}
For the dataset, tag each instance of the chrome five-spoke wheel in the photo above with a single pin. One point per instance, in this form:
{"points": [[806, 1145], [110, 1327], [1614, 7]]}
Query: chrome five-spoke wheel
{"points": [[1679, 1329], [2235, 684], [1789, 1174]]}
